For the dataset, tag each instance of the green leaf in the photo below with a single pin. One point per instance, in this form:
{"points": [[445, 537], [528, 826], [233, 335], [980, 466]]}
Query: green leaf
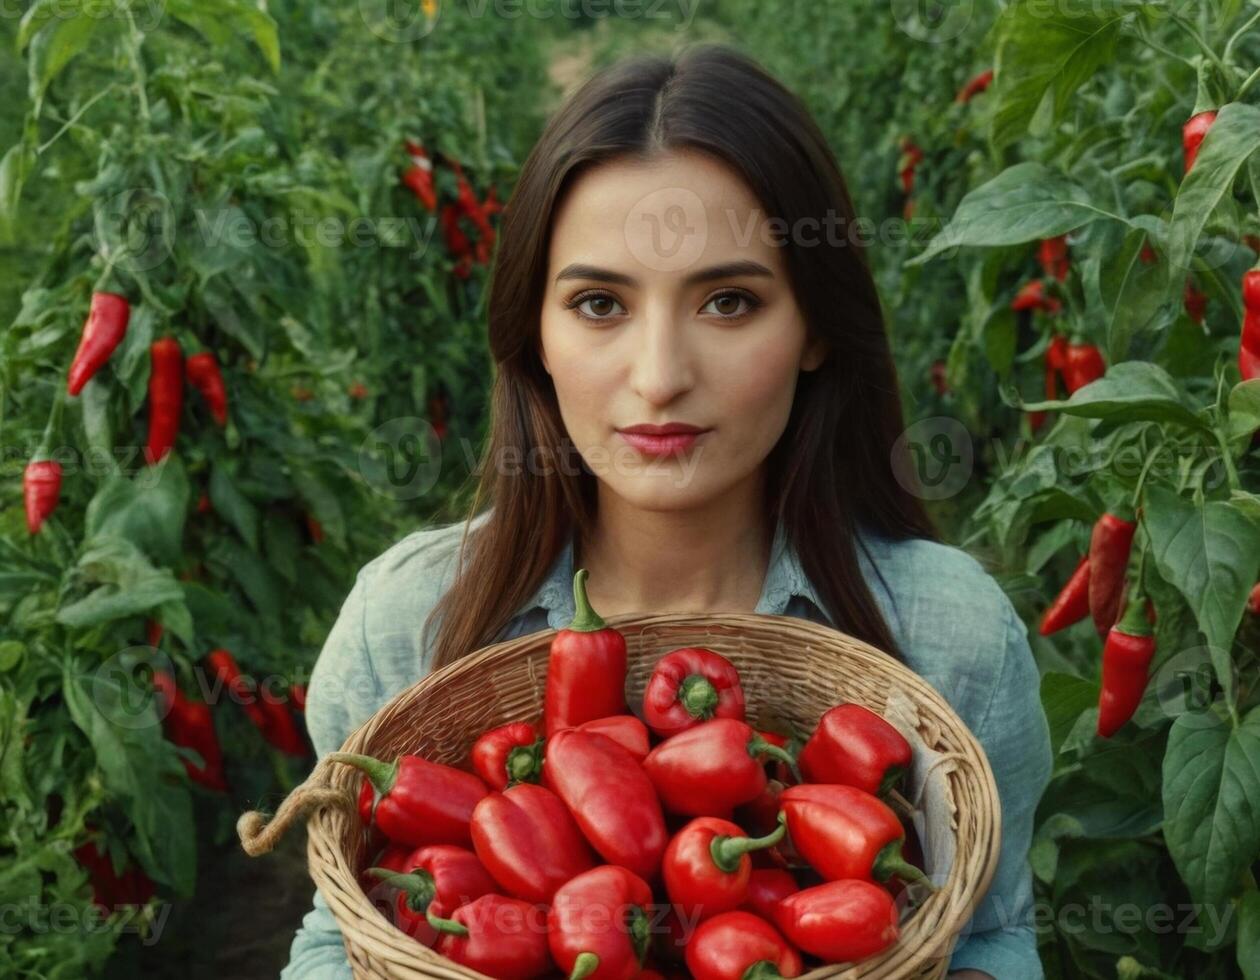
{"points": [[1045, 53], [14, 167], [1210, 554], [1064, 697], [1134, 391], [219, 21], [1249, 935], [1211, 783], [1244, 409], [233, 506], [1023, 203], [148, 510], [1132, 296], [131, 585], [1234, 136], [118, 717], [54, 47]]}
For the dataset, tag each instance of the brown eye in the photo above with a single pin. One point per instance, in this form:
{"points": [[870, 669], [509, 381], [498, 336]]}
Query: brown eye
{"points": [[600, 312], [728, 304]]}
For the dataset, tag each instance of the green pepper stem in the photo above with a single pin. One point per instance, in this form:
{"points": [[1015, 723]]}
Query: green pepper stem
{"points": [[584, 966], [446, 925], [762, 970], [419, 886], [727, 850], [758, 746], [698, 695], [891, 778], [524, 763], [1134, 621], [585, 619], [382, 774], [890, 861]]}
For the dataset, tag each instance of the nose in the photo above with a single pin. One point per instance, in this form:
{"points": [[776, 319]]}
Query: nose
{"points": [[663, 365]]}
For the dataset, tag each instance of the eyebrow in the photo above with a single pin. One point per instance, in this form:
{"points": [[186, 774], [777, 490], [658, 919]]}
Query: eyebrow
{"points": [[727, 270]]}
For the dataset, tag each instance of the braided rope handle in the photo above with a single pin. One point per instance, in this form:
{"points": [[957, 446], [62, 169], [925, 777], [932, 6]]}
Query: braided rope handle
{"points": [[260, 834]]}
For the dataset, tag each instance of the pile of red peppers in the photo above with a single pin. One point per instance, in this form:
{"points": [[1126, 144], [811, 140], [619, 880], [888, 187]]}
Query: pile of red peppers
{"points": [[607, 843]]}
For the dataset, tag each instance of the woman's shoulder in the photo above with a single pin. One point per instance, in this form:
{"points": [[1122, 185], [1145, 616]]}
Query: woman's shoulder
{"points": [[414, 571]]}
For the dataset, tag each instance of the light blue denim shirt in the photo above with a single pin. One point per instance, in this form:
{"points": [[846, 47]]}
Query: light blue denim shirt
{"points": [[956, 628]]}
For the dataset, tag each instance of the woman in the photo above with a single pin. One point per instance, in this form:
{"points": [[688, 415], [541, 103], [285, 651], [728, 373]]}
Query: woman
{"points": [[642, 282]]}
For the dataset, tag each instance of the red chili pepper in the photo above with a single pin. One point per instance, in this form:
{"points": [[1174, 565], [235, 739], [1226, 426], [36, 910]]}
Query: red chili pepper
{"points": [[1057, 353], [491, 205], [1052, 254], [1071, 605], [707, 865], [1126, 665], [456, 241], [586, 669], [709, 770], [153, 632], [855, 746], [438, 880], [110, 888], [1083, 364], [766, 888], [419, 176], [1249, 342], [740, 946], [689, 686], [1032, 296], [204, 375], [501, 937], [271, 718], [1192, 133], [1109, 547], [1147, 255], [166, 397], [191, 725], [509, 754], [357, 390], [41, 490], [314, 529], [1253, 603], [845, 832], [469, 205], [1195, 302], [419, 802], [598, 925], [626, 730], [911, 157], [840, 921], [104, 329], [974, 87], [528, 841], [610, 796]]}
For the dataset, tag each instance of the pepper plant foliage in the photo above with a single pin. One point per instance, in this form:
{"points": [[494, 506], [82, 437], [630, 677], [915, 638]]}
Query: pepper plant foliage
{"points": [[234, 170]]}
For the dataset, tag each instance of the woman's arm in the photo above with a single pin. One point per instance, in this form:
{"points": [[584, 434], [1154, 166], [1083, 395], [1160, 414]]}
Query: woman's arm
{"points": [[1000, 940], [343, 686]]}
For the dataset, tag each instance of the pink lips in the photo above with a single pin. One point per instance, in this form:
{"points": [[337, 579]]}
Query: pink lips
{"points": [[661, 440]]}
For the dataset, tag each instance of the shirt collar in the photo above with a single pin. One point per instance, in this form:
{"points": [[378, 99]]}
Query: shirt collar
{"points": [[784, 579]]}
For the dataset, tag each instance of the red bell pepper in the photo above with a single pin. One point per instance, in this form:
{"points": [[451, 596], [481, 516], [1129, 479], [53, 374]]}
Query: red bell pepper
{"points": [[598, 925], [1127, 656], [1071, 605], [528, 841], [626, 730], [586, 668], [166, 397], [766, 888], [507, 755], [689, 686], [709, 770], [367, 802], [855, 746], [740, 946], [840, 921], [418, 802], [1083, 364], [501, 937], [844, 832], [190, 724], [778, 768], [1109, 547], [103, 331], [202, 371], [439, 880], [707, 865], [1249, 340], [610, 796]]}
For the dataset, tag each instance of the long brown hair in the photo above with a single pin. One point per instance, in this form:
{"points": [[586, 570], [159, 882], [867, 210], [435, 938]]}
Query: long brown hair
{"points": [[832, 469]]}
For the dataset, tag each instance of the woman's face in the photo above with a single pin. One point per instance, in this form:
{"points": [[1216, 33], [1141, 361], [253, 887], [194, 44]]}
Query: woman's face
{"points": [[667, 300]]}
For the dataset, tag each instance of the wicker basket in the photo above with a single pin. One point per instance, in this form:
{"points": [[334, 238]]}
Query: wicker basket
{"points": [[792, 671]]}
